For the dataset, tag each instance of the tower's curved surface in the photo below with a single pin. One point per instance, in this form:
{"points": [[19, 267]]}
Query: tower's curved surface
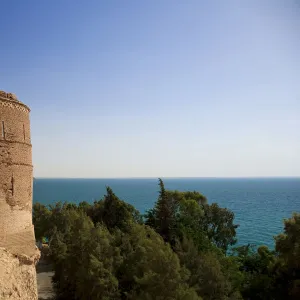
{"points": [[16, 229]]}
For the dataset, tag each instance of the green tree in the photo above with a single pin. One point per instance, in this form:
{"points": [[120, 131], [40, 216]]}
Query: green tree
{"points": [[104, 251], [288, 249], [84, 206], [151, 270], [162, 217], [287, 243], [189, 224], [188, 195], [210, 276], [40, 218], [85, 259], [114, 212], [219, 227]]}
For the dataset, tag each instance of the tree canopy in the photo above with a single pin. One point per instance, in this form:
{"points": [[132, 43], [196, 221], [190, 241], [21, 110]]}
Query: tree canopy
{"points": [[183, 248]]}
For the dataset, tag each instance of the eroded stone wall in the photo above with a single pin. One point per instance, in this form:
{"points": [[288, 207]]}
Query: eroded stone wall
{"points": [[17, 277], [16, 229]]}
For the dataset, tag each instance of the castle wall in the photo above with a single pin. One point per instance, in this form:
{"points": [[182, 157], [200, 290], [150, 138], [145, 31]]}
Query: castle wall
{"points": [[16, 184]]}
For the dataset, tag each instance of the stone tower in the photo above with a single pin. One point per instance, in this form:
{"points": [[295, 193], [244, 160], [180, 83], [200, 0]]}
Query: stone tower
{"points": [[17, 241]]}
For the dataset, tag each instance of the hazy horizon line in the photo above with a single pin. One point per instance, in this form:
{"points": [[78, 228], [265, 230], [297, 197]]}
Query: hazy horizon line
{"points": [[183, 177]]}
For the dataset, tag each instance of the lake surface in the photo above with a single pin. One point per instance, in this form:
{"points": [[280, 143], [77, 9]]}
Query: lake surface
{"points": [[259, 204]]}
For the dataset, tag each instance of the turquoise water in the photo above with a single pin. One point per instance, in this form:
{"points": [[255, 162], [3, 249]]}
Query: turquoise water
{"points": [[259, 204]]}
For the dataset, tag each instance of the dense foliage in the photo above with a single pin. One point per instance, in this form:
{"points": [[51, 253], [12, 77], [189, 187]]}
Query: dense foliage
{"points": [[181, 249]]}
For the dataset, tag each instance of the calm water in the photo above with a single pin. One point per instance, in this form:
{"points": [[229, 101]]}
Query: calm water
{"points": [[259, 204]]}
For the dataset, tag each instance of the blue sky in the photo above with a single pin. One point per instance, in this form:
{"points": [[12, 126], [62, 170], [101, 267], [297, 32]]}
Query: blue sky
{"points": [[155, 88]]}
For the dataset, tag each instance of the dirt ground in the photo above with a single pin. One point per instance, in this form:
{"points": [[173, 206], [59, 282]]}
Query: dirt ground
{"points": [[44, 274]]}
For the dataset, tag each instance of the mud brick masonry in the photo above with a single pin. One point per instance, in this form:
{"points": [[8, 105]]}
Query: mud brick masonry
{"points": [[18, 253]]}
